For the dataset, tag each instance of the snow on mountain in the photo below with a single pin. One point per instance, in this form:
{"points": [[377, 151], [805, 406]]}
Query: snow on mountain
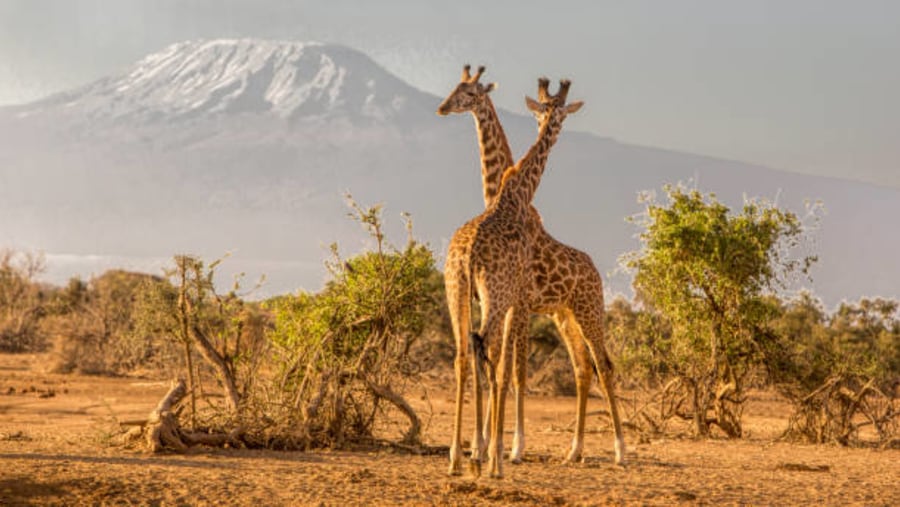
{"points": [[246, 146], [281, 78]]}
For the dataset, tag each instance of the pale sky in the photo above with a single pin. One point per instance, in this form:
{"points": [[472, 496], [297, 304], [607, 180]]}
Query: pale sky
{"points": [[810, 86]]}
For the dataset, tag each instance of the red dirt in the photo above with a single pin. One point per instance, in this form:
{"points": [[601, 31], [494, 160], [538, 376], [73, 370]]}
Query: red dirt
{"points": [[55, 449]]}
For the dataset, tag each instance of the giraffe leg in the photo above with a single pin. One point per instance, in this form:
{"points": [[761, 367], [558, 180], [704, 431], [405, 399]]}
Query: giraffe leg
{"points": [[486, 357], [461, 366], [479, 446], [581, 365], [607, 380], [457, 298], [499, 387], [520, 350], [485, 433], [589, 316]]}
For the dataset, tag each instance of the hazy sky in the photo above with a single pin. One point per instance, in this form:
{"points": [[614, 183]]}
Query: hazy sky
{"points": [[804, 85]]}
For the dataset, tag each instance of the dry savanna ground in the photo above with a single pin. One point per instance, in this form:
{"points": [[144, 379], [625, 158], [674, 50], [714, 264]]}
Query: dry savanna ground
{"points": [[56, 449]]}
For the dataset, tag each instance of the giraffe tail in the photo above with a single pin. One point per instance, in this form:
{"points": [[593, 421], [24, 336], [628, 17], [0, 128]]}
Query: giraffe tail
{"points": [[607, 363], [478, 346]]}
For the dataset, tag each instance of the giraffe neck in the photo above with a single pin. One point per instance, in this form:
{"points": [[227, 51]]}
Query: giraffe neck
{"points": [[496, 156], [520, 183]]}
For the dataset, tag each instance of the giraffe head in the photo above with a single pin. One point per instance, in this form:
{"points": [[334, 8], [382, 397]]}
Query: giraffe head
{"points": [[467, 95], [552, 106]]}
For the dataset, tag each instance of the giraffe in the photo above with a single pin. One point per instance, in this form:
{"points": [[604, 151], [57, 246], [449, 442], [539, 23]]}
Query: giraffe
{"points": [[490, 255], [564, 282]]}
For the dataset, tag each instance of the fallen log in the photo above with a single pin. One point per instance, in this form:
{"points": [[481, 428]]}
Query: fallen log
{"points": [[232, 438], [414, 432], [162, 430]]}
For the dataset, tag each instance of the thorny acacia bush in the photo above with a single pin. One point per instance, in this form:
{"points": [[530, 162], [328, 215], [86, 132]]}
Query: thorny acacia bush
{"points": [[23, 302], [222, 329], [92, 327], [707, 272], [88, 326], [841, 372], [344, 354], [305, 370]]}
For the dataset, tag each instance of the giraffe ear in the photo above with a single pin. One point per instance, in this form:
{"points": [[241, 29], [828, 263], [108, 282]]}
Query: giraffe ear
{"points": [[490, 87], [533, 105], [574, 106]]}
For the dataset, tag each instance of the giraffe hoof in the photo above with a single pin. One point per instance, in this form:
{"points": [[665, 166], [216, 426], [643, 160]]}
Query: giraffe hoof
{"points": [[517, 460], [574, 457], [496, 467], [620, 452], [475, 467]]}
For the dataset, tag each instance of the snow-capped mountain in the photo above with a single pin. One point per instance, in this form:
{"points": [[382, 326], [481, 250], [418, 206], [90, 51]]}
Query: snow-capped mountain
{"points": [[246, 146], [282, 79]]}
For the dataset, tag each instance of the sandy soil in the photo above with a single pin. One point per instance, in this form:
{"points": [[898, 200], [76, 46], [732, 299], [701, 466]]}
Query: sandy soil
{"points": [[55, 449]]}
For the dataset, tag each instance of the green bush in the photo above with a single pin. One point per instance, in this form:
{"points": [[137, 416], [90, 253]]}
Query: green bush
{"points": [[346, 350], [708, 271], [840, 372]]}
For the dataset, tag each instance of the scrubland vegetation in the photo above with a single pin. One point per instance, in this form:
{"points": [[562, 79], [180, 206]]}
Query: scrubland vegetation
{"points": [[326, 369]]}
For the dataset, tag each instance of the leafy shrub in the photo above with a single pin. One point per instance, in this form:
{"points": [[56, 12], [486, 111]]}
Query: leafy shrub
{"points": [[707, 271], [346, 351], [840, 372], [298, 370]]}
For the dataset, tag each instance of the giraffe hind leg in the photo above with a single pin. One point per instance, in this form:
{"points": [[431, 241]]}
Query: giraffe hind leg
{"points": [[519, 335], [484, 368], [583, 367], [458, 303], [590, 319], [500, 385]]}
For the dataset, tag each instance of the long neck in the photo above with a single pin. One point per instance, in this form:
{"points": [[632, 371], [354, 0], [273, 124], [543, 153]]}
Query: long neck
{"points": [[496, 156], [521, 182]]}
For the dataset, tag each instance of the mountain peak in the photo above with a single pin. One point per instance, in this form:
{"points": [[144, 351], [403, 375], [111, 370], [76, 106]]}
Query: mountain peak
{"points": [[286, 79]]}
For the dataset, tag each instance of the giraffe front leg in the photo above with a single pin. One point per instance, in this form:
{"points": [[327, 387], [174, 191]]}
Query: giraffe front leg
{"points": [[520, 335]]}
